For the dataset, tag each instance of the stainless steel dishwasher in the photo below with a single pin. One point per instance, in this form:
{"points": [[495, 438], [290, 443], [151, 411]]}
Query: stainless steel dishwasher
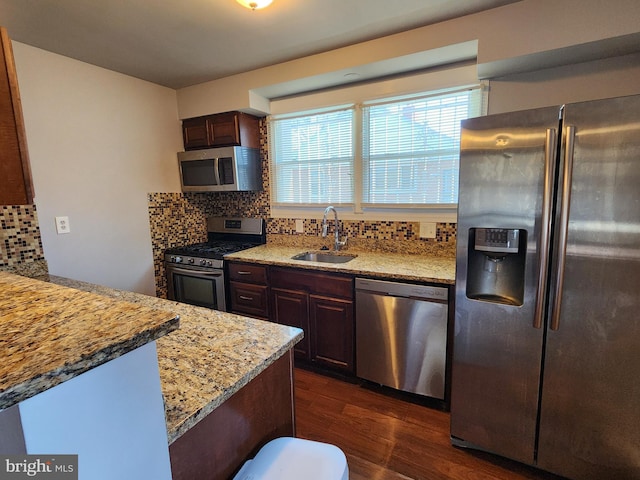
{"points": [[401, 335]]}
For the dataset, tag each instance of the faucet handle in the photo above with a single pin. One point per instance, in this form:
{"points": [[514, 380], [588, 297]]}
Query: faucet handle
{"points": [[325, 229]]}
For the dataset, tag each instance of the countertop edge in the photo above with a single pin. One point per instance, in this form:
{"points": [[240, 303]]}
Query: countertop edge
{"points": [[228, 388], [41, 383], [257, 255], [196, 417]]}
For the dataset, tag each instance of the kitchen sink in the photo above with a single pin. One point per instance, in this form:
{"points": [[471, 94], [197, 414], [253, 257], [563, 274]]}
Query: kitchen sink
{"points": [[324, 257]]}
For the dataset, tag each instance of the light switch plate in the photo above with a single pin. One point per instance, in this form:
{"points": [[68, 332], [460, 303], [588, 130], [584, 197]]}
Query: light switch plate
{"points": [[62, 225], [427, 230], [299, 225]]}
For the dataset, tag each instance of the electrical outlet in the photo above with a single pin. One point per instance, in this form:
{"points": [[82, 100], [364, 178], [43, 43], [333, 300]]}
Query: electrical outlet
{"points": [[299, 225], [427, 230], [62, 225]]}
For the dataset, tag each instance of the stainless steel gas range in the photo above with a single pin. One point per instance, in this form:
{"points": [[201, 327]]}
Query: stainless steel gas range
{"points": [[195, 273]]}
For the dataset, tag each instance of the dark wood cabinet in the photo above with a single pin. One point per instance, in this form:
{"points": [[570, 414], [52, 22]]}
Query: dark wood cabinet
{"points": [[331, 322], [221, 130], [322, 305], [291, 308], [217, 446], [15, 171], [249, 290], [319, 303], [195, 133]]}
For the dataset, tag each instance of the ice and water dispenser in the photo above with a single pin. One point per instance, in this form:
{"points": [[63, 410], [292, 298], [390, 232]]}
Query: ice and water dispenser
{"points": [[496, 265]]}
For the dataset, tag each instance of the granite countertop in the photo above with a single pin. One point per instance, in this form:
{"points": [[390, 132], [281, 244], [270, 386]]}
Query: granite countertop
{"points": [[396, 266], [50, 334], [212, 356]]}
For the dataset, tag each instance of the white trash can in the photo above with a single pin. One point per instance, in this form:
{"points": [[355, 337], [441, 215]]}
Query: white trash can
{"points": [[290, 458]]}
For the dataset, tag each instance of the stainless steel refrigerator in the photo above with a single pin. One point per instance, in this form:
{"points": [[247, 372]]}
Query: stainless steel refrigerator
{"points": [[546, 348]]}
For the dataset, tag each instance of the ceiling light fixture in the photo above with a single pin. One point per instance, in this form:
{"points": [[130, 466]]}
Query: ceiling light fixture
{"points": [[254, 4]]}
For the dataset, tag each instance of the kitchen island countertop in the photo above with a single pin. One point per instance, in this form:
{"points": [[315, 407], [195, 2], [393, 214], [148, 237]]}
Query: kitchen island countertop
{"points": [[413, 267], [50, 334], [212, 356]]}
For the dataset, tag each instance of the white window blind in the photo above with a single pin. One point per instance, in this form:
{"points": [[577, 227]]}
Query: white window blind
{"points": [[410, 148], [312, 158]]}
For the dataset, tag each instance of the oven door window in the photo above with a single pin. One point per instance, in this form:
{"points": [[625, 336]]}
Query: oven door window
{"points": [[197, 289]]}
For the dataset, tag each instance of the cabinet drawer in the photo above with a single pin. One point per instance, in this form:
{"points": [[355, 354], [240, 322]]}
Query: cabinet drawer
{"points": [[329, 284], [245, 272], [250, 299]]}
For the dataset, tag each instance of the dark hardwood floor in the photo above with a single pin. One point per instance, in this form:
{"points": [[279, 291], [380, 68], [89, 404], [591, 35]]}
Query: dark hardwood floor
{"points": [[385, 438]]}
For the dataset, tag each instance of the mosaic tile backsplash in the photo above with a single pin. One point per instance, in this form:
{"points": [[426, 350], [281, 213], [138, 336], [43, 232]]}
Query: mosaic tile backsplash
{"points": [[180, 219], [20, 241]]}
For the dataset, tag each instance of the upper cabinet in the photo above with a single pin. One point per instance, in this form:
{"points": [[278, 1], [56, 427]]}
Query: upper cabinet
{"points": [[17, 186], [221, 130]]}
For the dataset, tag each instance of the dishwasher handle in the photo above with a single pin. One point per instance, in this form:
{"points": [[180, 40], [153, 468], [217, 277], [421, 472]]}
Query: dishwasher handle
{"points": [[397, 289]]}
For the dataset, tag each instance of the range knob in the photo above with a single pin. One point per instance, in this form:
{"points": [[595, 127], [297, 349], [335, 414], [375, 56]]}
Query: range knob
{"points": [[209, 263], [177, 259], [203, 262], [191, 260]]}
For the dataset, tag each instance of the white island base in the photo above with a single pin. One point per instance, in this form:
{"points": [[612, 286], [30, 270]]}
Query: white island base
{"points": [[111, 416]]}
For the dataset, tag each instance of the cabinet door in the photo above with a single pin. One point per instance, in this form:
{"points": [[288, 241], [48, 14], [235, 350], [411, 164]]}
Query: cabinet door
{"points": [[15, 171], [291, 308], [195, 133], [223, 129], [332, 324]]}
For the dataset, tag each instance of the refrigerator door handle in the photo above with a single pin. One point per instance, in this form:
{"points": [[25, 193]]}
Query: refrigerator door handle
{"points": [[545, 227], [564, 225]]}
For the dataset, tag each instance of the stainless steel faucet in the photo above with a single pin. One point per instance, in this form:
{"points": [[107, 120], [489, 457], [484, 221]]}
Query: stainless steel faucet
{"points": [[336, 229]]}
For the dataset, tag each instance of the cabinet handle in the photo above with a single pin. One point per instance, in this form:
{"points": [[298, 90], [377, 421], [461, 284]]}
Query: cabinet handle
{"points": [[242, 297], [243, 272]]}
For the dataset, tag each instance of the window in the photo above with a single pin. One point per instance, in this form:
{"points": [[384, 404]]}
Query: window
{"points": [[400, 153], [411, 148], [313, 158]]}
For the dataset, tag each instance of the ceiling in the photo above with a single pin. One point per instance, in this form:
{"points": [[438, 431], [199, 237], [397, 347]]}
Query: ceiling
{"points": [[178, 43]]}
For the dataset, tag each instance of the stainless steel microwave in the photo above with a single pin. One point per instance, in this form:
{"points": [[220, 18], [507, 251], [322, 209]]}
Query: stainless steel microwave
{"points": [[224, 169]]}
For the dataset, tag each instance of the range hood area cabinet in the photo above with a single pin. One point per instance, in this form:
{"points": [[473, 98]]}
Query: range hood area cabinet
{"points": [[221, 130], [15, 170]]}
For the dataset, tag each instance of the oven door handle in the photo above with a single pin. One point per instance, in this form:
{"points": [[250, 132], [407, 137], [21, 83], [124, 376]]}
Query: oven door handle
{"points": [[199, 273]]}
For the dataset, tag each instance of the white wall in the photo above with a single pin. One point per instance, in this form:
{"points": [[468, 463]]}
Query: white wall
{"points": [[611, 77], [98, 142], [523, 36]]}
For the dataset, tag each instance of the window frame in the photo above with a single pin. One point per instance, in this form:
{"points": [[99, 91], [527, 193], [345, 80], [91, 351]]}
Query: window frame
{"points": [[359, 210]]}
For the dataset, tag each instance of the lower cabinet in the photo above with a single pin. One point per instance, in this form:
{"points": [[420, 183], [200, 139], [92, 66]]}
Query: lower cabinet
{"points": [[216, 447], [332, 323], [319, 303], [249, 290], [322, 305], [291, 308]]}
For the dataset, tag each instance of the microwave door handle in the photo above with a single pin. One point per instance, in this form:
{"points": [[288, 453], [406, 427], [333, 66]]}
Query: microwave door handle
{"points": [[198, 273], [217, 170]]}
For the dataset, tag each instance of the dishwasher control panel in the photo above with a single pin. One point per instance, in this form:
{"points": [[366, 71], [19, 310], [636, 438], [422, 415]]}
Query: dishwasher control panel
{"points": [[395, 289]]}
